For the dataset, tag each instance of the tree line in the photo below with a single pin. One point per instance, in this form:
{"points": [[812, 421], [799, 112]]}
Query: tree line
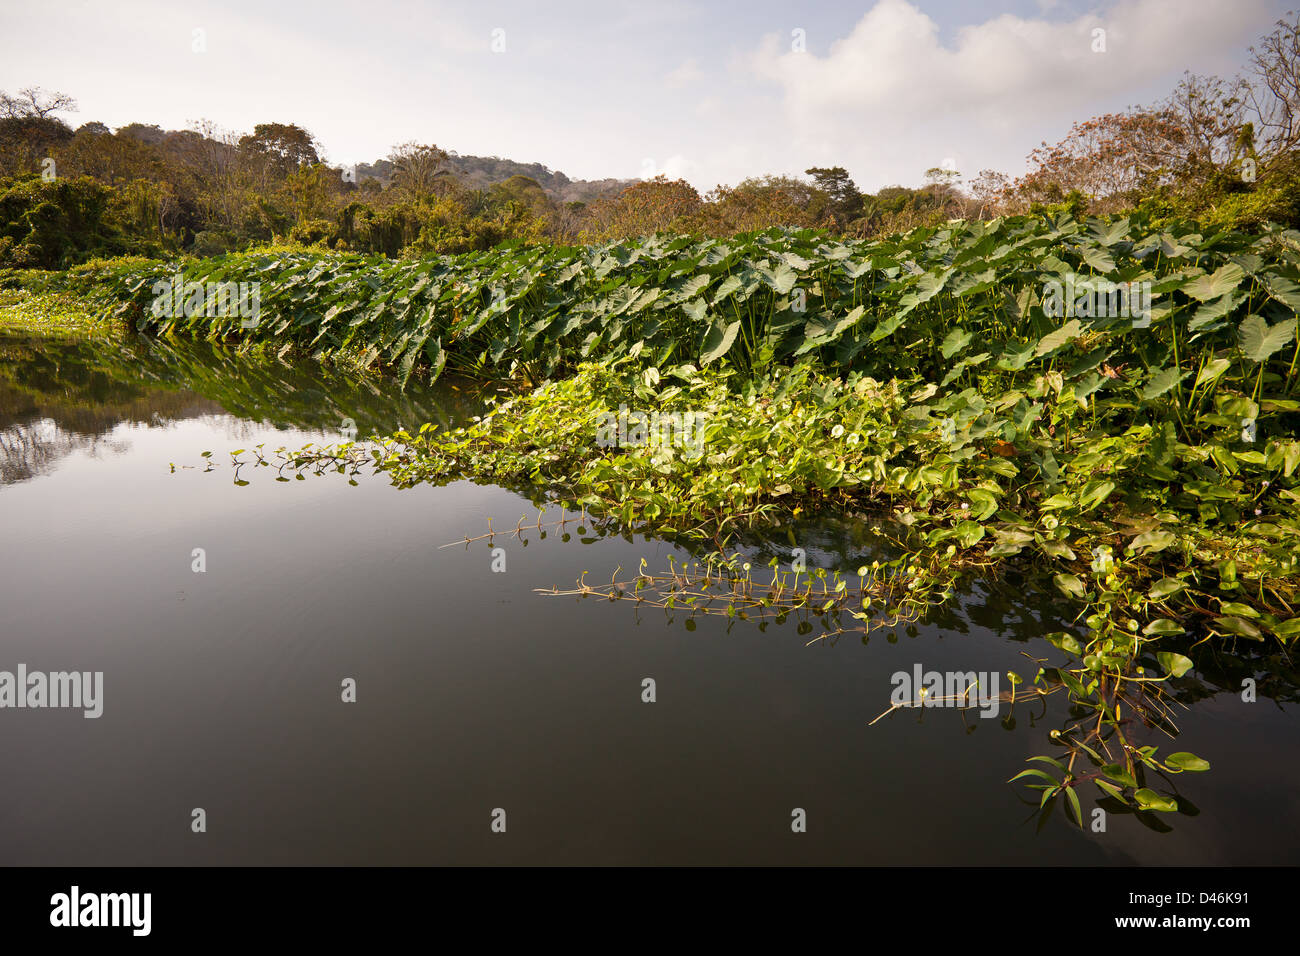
{"points": [[1222, 152]]}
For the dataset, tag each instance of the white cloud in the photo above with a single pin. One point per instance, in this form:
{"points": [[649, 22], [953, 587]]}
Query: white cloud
{"points": [[893, 59], [686, 75], [593, 87], [893, 98], [678, 166]]}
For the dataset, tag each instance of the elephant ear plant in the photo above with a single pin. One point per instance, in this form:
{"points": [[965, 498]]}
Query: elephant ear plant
{"points": [[1108, 406]]}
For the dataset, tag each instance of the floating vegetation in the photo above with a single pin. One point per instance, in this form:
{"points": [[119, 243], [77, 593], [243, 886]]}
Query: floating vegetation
{"points": [[884, 595]]}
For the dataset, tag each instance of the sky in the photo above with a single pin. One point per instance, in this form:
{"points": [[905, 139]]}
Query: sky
{"points": [[709, 92]]}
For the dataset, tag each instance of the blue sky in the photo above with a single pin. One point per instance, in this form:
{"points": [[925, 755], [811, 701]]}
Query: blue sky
{"points": [[711, 92]]}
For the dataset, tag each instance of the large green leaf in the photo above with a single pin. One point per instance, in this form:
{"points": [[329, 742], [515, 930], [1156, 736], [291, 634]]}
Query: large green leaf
{"points": [[1055, 339], [1099, 259], [1223, 280], [437, 357], [1162, 381], [718, 341], [1259, 340], [955, 341]]}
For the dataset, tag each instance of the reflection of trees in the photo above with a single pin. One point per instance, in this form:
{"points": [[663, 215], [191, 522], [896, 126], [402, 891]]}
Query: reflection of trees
{"points": [[60, 397], [27, 450]]}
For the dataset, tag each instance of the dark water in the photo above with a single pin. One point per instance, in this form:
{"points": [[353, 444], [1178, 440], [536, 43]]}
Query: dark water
{"points": [[222, 689]]}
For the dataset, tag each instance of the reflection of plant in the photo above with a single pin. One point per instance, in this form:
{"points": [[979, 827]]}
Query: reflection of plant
{"points": [[74, 381], [886, 594], [1097, 732]]}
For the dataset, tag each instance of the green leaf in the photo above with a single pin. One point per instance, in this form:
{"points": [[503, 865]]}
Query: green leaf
{"points": [[1282, 289], [1098, 259], [1224, 280], [1094, 493], [695, 309], [437, 357], [1066, 642], [1055, 339], [1187, 761], [1074, 805], [1056, 549], [729, 285], [1212, 371], [1070, 584], [1015, 357], [1164, 588], [1152, 541], [1239, 626], [1259, 340], [784, 279], [1287, 629], [1161, 382], [1175, 665], [1150, 800], [1034, 772], [1119, 774], [1236, 607], [718, 341], [1110, 788], [1111, 232], [955, 341], [983, 503]]}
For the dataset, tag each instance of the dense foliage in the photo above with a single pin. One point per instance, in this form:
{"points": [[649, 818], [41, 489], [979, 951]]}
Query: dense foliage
{"points": [[961, 304]]}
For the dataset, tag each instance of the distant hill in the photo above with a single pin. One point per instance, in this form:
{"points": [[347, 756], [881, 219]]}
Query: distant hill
{"points": [[480, 172], [474, 172]]}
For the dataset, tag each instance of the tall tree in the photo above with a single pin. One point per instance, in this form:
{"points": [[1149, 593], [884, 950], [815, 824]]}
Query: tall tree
{"points": [[286, 146], [845, 198], [35, 102], [416, 166]]}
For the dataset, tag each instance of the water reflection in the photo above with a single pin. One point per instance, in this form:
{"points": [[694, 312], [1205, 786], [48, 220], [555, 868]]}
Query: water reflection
{"points": [[475, 692], [57, 398]]}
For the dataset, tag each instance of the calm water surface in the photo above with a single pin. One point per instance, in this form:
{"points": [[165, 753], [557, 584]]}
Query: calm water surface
{"points": [[222, 689]]}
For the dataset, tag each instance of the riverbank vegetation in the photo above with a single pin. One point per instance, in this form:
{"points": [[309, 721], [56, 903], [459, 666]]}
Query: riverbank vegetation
{"points": [[1106, 402]]}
